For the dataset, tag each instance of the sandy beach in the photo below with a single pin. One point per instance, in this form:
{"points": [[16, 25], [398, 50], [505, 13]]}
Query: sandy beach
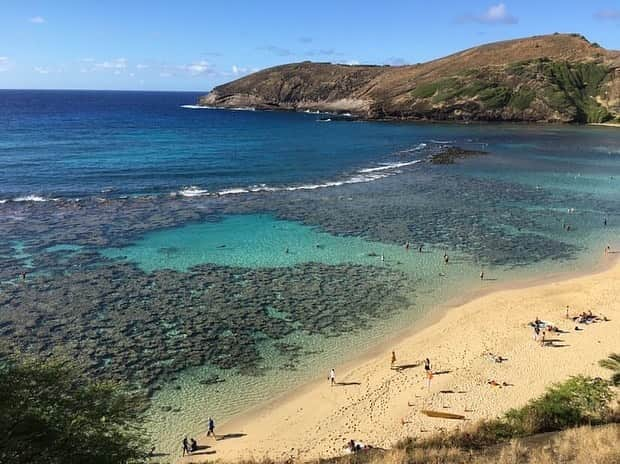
{"points": [[378, 405]]}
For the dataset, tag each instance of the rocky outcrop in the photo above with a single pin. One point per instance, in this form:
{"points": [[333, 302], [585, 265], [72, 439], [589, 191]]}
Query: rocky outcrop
{"points": [[553, 78]]}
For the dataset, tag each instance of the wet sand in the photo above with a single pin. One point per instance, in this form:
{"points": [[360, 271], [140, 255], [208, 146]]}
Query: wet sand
{"points": [[378, 405]]}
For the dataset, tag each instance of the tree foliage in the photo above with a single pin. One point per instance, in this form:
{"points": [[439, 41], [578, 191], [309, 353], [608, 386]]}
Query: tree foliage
{"points": [[612, 362], [49, 414]]}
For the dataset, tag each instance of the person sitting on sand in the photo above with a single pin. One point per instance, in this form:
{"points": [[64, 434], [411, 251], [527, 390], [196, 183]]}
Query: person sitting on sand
{"points": [[193, 446], [351, 446], [494, 358]]}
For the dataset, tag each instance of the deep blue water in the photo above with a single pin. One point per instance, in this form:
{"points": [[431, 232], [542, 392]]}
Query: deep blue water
{"points": [[78, 143], [84, 143]]}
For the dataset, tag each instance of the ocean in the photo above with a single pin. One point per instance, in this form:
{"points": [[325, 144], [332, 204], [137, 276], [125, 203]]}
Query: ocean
{"points": [[215, 259]]}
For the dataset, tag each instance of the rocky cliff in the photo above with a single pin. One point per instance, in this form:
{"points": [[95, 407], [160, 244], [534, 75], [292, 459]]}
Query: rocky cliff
{"points": [[552, 78]]}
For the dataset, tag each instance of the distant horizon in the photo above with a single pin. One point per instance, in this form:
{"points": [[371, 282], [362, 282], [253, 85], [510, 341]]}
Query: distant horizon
{"points": [[104, 90], [63, 45]]}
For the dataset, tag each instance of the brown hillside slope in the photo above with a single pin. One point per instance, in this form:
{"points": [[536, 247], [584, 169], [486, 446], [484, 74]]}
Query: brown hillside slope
{"points": [[556, 78]]}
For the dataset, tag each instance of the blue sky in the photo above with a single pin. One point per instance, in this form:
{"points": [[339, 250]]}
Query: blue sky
{"points": [[195, 45]]}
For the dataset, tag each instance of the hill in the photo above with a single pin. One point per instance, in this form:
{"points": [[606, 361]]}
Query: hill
{"points": [[550, 78]]}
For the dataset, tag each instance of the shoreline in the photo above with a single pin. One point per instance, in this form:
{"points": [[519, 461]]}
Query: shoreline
{"points": [[277, 411]]}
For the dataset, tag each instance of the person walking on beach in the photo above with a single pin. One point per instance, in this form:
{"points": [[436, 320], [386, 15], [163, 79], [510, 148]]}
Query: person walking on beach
{"points": [[429, 371], [332, 377], [393, 360], [542, 338], [429, 377], [567, 316], [185, 446], [211, 428]]}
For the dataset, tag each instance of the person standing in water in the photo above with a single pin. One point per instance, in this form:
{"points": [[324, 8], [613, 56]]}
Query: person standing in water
{"points": [[332, 377], [407, 246], [446, 258], [481, 275], [393, 360], [420, 249]]}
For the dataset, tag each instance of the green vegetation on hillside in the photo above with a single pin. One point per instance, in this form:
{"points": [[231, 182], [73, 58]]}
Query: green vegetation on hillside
{"points": [[49, 414], [568, 88]]}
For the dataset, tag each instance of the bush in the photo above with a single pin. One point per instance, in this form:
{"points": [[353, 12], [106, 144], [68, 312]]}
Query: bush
{"points": [[522, 99], [425, 90], [578, 401], [49, 414]]}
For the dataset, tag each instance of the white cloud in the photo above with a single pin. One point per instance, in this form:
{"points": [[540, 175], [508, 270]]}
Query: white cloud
{"points": [[37, 20], [42, 70], [200, 67], [117, 64], [352, 62], [236, 70], [164, 74], [197, 68], [607, 15], [4, 63], [495, 14], [142, 66], [132, 74]]}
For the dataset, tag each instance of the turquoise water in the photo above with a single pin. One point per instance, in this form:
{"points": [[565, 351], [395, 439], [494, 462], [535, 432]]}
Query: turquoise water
{"points": [[259, 240]]}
